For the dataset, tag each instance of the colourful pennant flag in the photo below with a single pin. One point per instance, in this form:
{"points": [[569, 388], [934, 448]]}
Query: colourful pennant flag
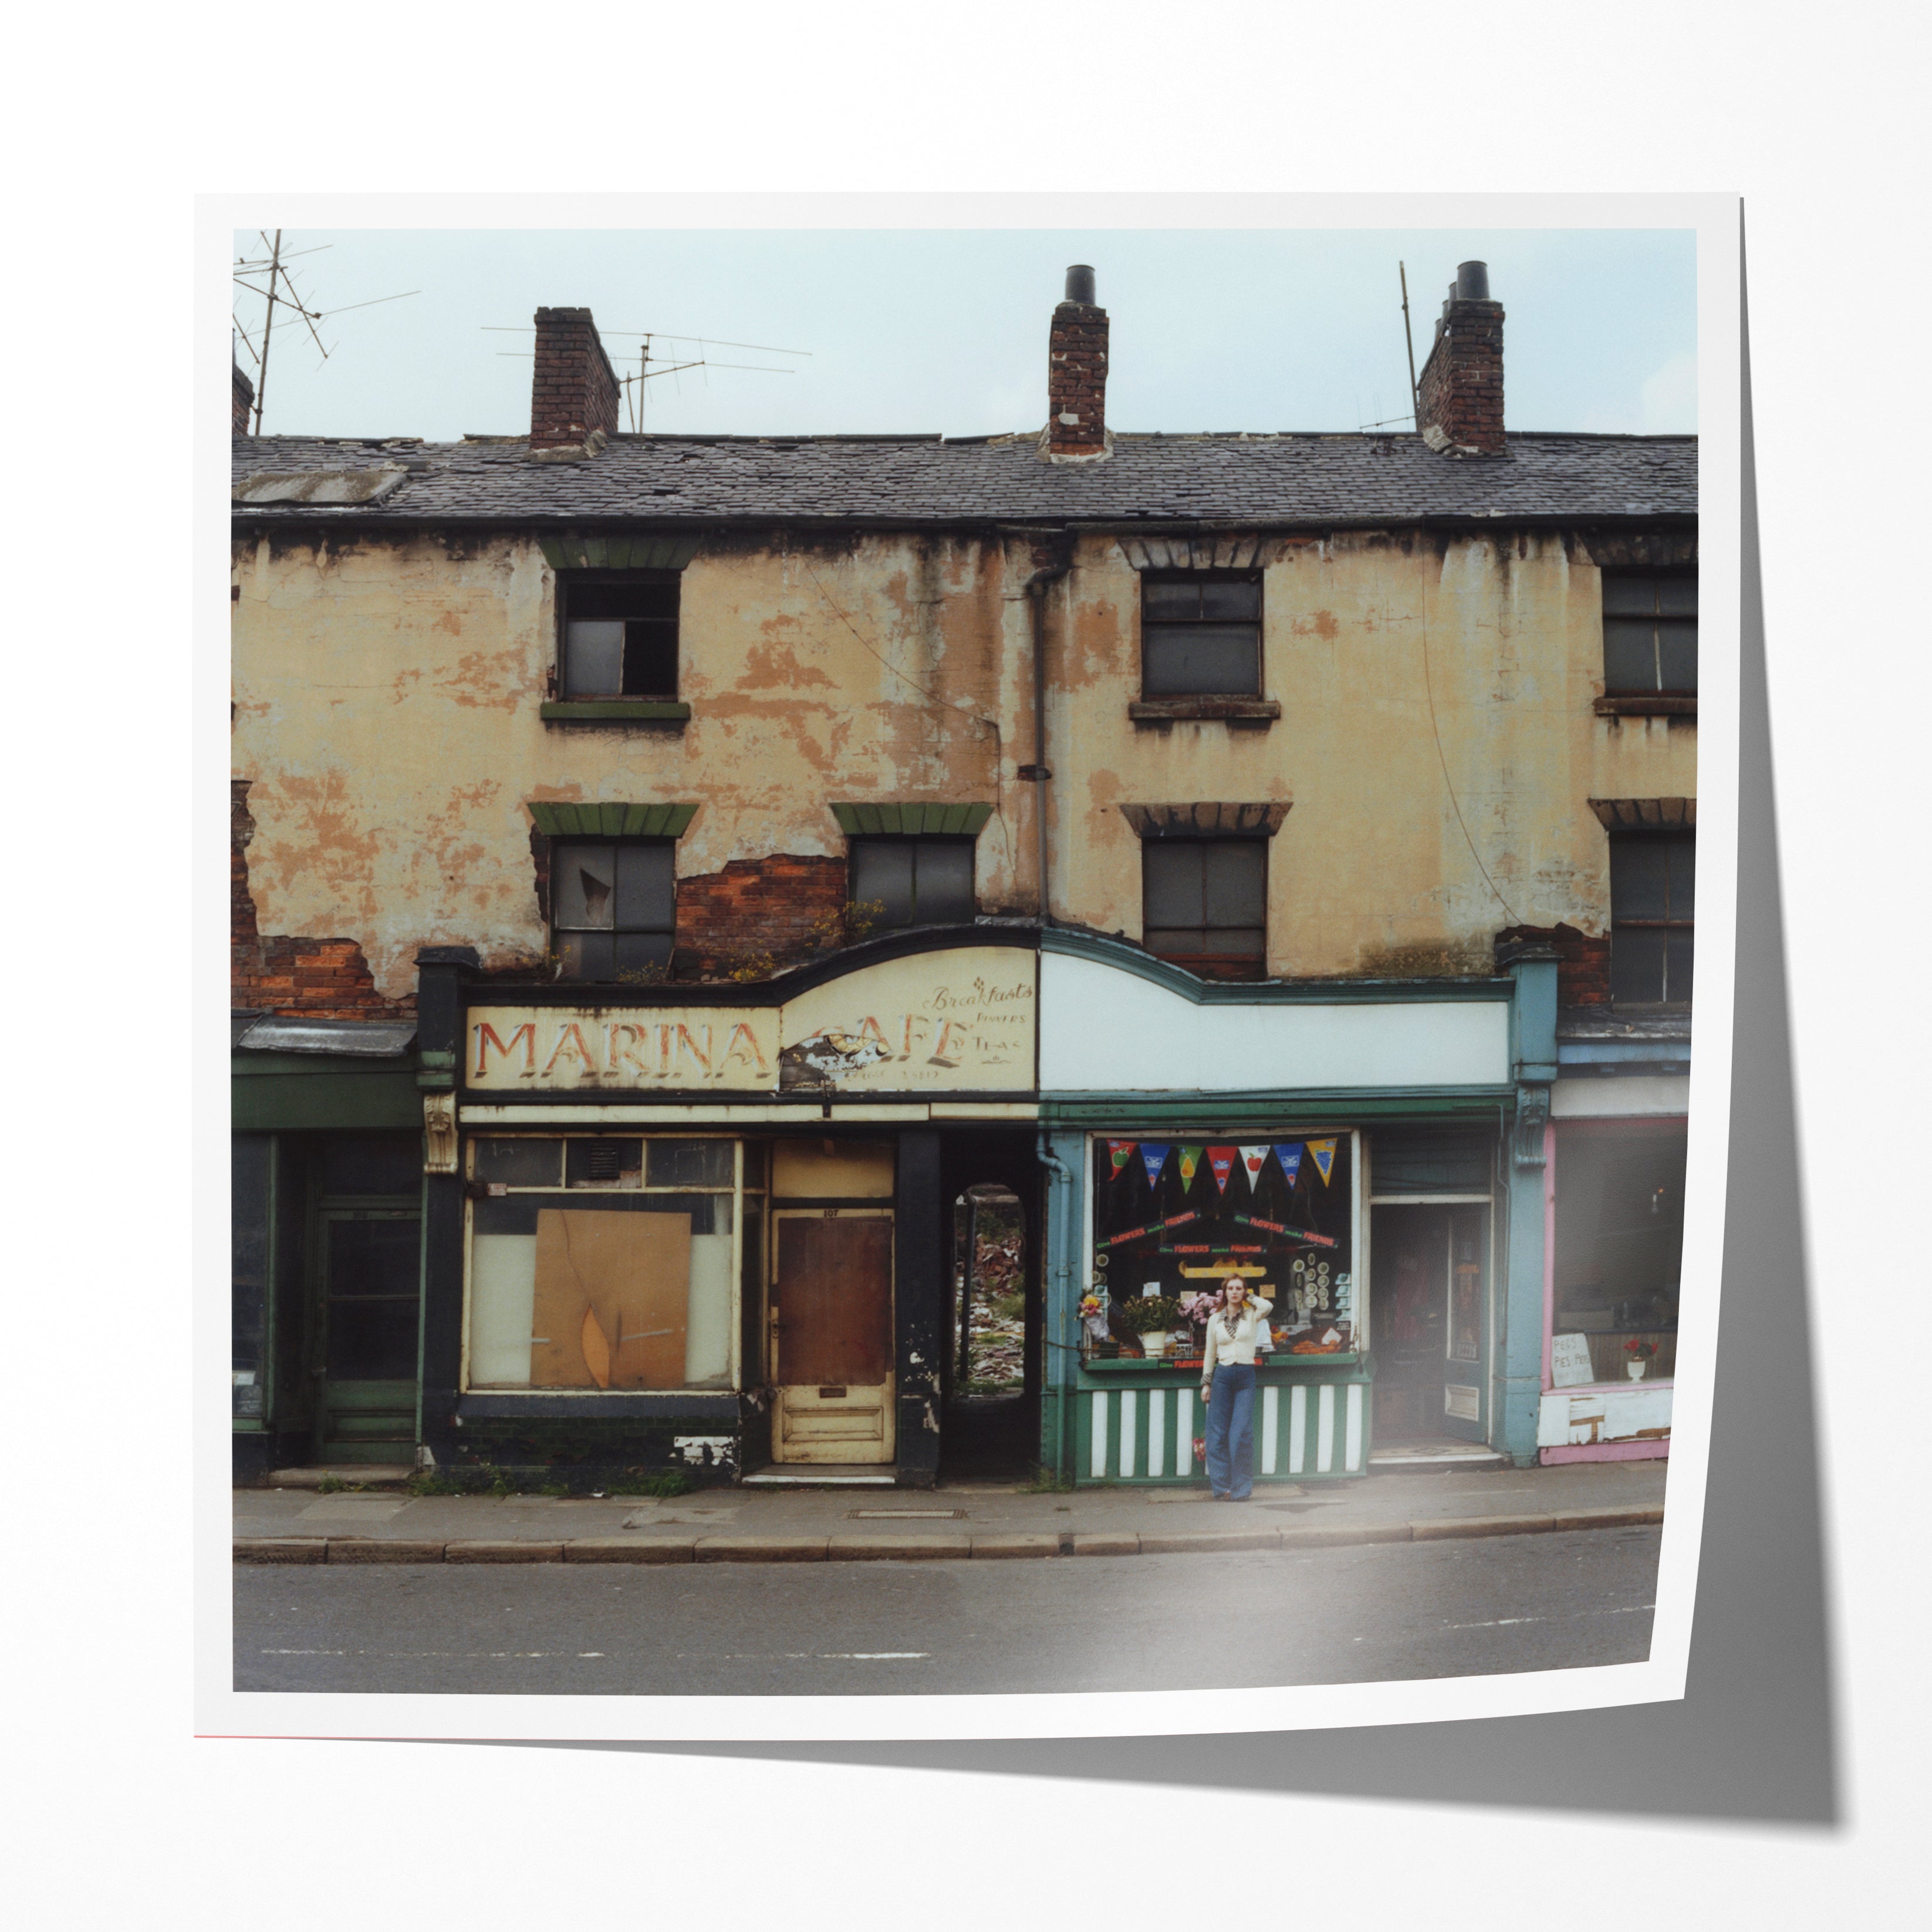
{"points": [[1190, 1165], [1120, 1152], [1254, 1158], [1322, 1153], [1154, 1153], [1221, 1164], [1288, 1153]]}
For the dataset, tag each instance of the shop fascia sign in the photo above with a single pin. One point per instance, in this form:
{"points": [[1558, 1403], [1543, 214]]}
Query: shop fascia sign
{"points": [[958, 1021]]}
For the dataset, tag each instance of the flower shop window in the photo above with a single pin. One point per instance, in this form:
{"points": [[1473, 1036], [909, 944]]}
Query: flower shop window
{"points": [[603, 1261], [1172, 1218]]}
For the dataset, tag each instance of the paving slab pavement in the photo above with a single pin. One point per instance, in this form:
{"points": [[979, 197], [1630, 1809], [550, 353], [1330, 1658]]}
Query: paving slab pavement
{"points": [[290, 1525]]}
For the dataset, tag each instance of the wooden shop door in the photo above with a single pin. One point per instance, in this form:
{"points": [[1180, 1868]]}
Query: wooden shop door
{"points": [[365, 1328], [830, 1312]]}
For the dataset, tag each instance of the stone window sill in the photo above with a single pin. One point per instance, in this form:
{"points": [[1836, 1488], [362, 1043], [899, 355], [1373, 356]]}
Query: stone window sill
{"points": [[1646, 704], [1231, 710], [614, 711]]}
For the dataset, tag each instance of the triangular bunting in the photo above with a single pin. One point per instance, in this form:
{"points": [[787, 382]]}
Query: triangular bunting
{"points": [[1288, 1153], [1120, 1152], [1190, 1165], [1254, 1158], [1322, 1153], [1154, 1153], [1221, 1164]]}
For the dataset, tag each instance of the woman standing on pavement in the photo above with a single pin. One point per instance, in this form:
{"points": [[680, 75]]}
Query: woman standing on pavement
{"points": [[1228, 1388]]}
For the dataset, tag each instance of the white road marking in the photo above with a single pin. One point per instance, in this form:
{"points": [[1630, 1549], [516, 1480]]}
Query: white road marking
{"points": [[1498, 1623]]}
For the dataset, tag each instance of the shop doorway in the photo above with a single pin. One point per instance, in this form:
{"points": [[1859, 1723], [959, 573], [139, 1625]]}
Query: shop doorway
{"points": [[985, 1421], [364, 1295], [832, 1335], [1430, 1310], [990, 1419]]}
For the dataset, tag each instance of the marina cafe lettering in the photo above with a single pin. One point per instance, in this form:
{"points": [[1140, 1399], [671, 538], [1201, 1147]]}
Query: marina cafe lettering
{"points": [[962, 1021]]}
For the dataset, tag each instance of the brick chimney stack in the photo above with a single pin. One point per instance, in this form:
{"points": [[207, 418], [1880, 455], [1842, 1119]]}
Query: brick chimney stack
{"points": [[241, 400], [1459, 397], [573, 390], [1076, 371]]}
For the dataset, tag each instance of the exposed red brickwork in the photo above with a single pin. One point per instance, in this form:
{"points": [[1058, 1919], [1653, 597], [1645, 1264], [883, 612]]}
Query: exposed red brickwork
{"points": [[1076, 379], [318, 979], [780, 908], [1582, 963], [241, 400], [574, 389], [1461, 390]]}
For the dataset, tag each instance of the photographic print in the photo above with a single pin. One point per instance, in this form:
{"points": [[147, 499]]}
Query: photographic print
{"points": [[968, 1009]]}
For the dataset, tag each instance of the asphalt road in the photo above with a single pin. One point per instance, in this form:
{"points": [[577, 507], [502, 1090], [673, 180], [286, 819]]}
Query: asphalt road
{"points": [[1377, 1611]]}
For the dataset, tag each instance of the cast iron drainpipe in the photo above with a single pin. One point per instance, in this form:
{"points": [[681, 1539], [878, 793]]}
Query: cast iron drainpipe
{"points": [[1035, 592]]}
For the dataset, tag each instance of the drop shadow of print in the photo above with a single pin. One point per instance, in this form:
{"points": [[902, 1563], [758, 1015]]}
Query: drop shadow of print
{"points": [[1755, 1736]]}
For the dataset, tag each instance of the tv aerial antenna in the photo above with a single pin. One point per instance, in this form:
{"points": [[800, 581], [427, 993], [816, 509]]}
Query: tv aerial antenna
{"points": [[1414, 412], [268, 276], [651, 364]]}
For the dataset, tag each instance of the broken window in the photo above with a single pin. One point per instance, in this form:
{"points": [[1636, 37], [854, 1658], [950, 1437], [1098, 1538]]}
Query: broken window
{"points": [[1653, 908], [1201, 635], [613, 908], [1650, 636], [620, 635], [913, 881], [1204, 903]]}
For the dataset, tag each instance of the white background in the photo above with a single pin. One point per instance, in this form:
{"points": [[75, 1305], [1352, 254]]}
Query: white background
{"points": [[120, 1816]]}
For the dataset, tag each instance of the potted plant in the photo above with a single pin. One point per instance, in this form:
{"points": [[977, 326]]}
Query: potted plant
{"points": [[1640, 1352], [1152, 1318]]}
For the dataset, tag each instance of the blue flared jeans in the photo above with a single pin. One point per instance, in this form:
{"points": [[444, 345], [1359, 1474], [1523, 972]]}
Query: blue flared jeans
{"points": [[1231, 1409]]}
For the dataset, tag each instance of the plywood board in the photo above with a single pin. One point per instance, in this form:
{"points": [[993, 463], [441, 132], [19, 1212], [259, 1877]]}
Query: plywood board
{"points": [[832, 1170], [612, 1291], [834, 1300]]}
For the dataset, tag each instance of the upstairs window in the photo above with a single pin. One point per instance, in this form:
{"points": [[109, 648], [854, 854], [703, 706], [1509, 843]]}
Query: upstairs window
{"points": [[620, 635], [1650, 636], [1204, 905], [1653, 917], [1201, 635], [916, 881], [613, 908]]}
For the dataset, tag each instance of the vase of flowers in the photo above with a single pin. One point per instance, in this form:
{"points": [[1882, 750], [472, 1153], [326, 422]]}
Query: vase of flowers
{"points": [[1152, 1318], [1639, 1352]]}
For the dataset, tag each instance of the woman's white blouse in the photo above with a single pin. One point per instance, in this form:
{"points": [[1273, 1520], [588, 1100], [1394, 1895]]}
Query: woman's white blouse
{"points": [[1234, 1345]]}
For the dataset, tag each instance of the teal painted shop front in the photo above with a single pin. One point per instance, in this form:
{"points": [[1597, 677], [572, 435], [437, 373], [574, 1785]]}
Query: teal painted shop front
{"points": [[1430, 1097]]}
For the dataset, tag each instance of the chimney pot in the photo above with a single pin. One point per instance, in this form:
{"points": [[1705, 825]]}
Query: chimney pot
{"points": [[1076, 371], [1459, 393]]}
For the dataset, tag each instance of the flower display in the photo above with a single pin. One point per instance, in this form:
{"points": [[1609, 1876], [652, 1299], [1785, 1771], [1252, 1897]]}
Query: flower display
{"points": [[1639, 1350]]}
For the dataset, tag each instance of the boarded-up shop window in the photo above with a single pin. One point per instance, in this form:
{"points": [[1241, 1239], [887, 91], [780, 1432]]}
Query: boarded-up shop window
{"points": [[613, 908], [620, 637], [1204, 903], [913, 881], [605, 1262], [1653, 917], [1201, 636], [1650, 636]]}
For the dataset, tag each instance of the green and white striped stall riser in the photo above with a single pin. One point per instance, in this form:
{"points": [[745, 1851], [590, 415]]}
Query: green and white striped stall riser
{"points": [[1303, 1431]]}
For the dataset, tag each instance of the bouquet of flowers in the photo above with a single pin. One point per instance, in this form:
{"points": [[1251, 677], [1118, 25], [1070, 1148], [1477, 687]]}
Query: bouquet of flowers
{"points": [[1197, 1310], [1093, 1315], [1639, 1350]]}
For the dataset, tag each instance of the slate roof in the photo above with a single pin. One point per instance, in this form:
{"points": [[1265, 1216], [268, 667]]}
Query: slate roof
{"points": [[1286, 479]]}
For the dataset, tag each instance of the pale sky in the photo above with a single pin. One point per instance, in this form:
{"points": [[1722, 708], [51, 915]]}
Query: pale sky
{"points": [[944, 331]]}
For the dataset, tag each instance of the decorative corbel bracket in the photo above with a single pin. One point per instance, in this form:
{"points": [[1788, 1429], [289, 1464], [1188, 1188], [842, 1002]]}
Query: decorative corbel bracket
{"points": [[439, 1133], [1532, 1116]]}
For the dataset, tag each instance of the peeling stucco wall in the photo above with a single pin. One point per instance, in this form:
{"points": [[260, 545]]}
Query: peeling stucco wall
{"points": [[1407, 670], [1436, 726]]}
